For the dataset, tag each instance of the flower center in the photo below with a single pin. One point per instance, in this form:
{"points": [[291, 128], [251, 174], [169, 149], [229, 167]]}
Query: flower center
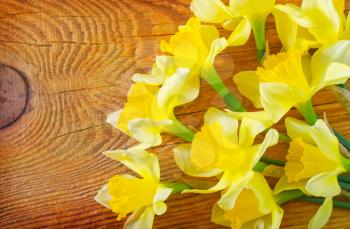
{"points": [[246, 209], [305, 161], [129, 194]]}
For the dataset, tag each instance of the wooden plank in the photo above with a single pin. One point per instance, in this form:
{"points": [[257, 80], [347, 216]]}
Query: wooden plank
{"points": [[78, 58]]}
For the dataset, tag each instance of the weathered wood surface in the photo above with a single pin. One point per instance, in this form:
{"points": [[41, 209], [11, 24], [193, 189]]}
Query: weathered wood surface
{"points": [[78, 58]]}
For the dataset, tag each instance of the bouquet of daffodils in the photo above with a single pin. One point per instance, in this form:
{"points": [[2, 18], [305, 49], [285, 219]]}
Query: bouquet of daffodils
{"points": [[227, 149]]}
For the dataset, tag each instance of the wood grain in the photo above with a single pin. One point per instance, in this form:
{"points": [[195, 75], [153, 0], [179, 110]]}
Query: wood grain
{"points": [[78, 58]]}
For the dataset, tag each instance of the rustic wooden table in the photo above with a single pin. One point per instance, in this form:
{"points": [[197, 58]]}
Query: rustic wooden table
{"points": [[74, 61]]}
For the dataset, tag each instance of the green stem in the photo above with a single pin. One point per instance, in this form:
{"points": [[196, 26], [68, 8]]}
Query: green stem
{"points": [[259, 167], [344, 185], [272, 161], [289, 195], [346, 163], [178, 129], [307, 111], [212, 77], [258, 27], [319, 200], [344, 178], [177, 187], [284, 138]]}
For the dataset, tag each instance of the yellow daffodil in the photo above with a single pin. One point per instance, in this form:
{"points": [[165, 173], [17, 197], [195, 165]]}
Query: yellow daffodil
{"points": [[315, 24], [290, 79], [240, 16], [143, 197], [313, 164], [195, 47], [149, 111], [219, 150], [255, 207]]}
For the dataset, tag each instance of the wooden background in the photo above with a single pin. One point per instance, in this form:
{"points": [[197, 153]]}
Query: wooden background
{"points": [[78, 58]]}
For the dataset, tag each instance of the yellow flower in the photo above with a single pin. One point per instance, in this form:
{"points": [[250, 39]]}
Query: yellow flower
{"points": [[313, 164], [218, 149], [290, 79], [255, 207], [149, 111], [143, 197], [240, 16], [315, 24], [195, 45]]}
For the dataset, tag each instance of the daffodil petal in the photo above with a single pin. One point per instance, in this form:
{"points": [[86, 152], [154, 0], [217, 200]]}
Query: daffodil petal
{"points": [[142, 218], [322, 60], [284, 185], [144, 163], [103, 196], [162, 193], [228, 124], [217, 46], [346, 34], [178, 90], [298, 129], [287, 29], [323, 214], [323, 184], [278, 98], [326, 141], [223, 183], [248, 85], [241, 33], [113, 118], [249, 129], [217, 216], [262, 192], [147, 131], [182, 157], [295, 14], [212, 11], [229, 197]]}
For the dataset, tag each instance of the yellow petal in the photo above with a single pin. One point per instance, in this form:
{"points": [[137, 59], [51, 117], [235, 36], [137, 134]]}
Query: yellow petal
{"points": [[142, 218], [212, 11], [162, 193], [113, 118], [217, 216], [103, 196], [228, 124], [320, 219], [178, 89], [326, 21], [248, 85], [148, 131], [126, 197], [240, 34], [248, 130], [325, 140], [251, 8], [224, 182], [324, 184], [346, 34], [284, 185], [217, 46], [278, 98], [182, 157], [286, 28], [295, 14], [298, 129], [138, 160], [229, 197]]}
